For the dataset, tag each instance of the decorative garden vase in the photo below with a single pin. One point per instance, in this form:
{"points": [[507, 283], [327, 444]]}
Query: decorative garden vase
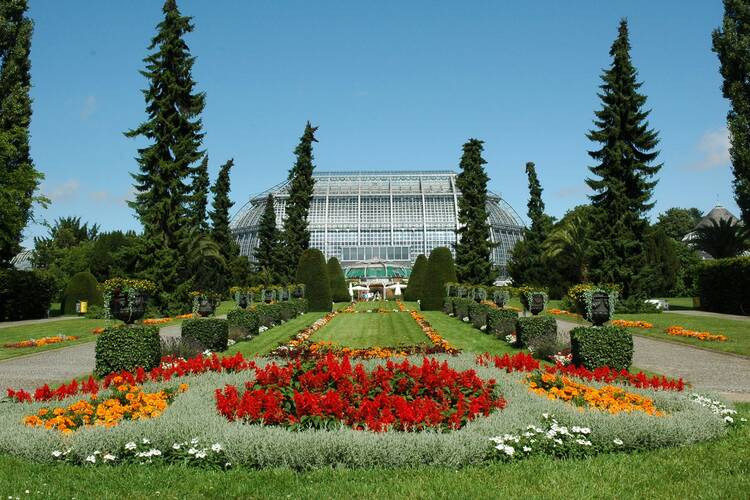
{"points": [[298, 292], [125, 311], [268, 296], [499, 298], [478, 295], [536, 303], [206, 307], [284, 294], [242, 302], [600, 308]]}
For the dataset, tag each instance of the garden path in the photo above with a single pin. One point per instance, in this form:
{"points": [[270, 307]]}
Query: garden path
{"points": [[725, 374], [8, 324]]}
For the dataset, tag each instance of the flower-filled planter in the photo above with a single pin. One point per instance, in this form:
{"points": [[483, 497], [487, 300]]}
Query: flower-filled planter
{"points": [[269, 295], [533, 300], [284, 294], [205, 303], [241, 295], [125, 299], [478, 293], [500, 297], [451, 289], [462, 291], [298, 291], [596, 303]]}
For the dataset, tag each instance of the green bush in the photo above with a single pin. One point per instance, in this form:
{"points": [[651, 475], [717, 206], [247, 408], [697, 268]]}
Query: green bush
{"points": [[724, 285], [339, 290], [126, 348], [95, 312], [501, 322], [268, 314], [595, 346], [415, 285], [312, 272], [461, 307], [212, 333], [635, 305], [535, 329], [478, 314], [440, 270], [448, 305], [243, 323], [180, 347], [24, 294], [82, 286]]}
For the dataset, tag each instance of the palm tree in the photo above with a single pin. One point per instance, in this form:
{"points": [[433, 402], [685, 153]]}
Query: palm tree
{"points": [[723, 238], [569, 240]]}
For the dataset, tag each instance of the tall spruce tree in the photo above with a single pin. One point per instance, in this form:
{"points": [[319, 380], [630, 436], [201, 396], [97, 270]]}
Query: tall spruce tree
{"points": [[219, 214], [268, 253], [731, 43], [199, 196], [174, 130], [18, 177], [473, 249], [296, 235], [623, 186]]}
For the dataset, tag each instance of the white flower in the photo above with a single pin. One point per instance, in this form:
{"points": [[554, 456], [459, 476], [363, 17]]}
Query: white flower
{"points": [[545, 415], [230, 342], [194, 441], [617, 441], [109, 458], [207, 352], [526, 449], [465, 319], [229, 464], [176, 446], [57, 454], [91, 458], [728, 419], [154, 452], [130, 446], [558, 441], [192, 451], [146, 441], [583, 442], [483, 327], [508, 450], [200, 454], [216, 447]]}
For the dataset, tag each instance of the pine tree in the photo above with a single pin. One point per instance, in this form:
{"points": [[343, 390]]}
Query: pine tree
{"points": [[220, 231], [623, 189], [339, 290], [268, 252], [199, 196], [731, 42], [413, 291], [473, 249], [18, 177], [296, 235], [174, 129]]}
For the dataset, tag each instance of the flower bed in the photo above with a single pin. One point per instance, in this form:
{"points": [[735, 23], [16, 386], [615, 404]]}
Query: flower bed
{"points": [[42, 341], [562, 312], [608, 376], [403, 396], [519, 362], [436, 339], [631, 324], [684, 332], [317, 349], [608, 398]]}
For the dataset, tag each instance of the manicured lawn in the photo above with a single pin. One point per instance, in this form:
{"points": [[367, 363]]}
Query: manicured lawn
{"points": [[372, 329], [74, 327], [225, 307], [464, 336], [270, 339], [718, 469]]}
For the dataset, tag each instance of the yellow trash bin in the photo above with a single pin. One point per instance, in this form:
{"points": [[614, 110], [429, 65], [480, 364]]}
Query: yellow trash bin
{"points": [[84, 307]]}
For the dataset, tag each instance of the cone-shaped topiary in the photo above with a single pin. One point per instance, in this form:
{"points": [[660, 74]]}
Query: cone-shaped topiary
{"points": [[312, 272], [413, 291], [440, 270], [82, 286], [339, 290]]}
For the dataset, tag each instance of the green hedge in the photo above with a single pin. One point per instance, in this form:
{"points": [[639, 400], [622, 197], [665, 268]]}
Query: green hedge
{"points": [[212, 333], [478, 314], [413, 291], [440, 270], [448, 305], [535, 329], [127, 348], [244, 323], [501, 322], [724, 285], [461, 307], [339, 289], [24, 294], [595, 346], [82, 286], [313, 273]]}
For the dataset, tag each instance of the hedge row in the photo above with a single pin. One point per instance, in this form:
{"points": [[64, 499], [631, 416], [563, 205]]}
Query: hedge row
{"points": [[212, 333], [595, 346], [498, 322], [24, 295], [127, 348], [536, 330], [725, 285], [246, 322]]}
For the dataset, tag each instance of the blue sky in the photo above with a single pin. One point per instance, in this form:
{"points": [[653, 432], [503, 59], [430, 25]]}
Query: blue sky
{"points": [[392, 85]]}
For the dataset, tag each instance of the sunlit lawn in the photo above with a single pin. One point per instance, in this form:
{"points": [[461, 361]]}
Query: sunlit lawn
{"points": [[81, 328], [362, 330], [272, 338]]}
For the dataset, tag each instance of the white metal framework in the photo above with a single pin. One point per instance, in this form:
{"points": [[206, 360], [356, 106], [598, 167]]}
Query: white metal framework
{"points": [[391, 216]]}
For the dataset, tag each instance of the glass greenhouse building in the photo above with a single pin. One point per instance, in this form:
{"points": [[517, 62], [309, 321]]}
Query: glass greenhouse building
{"points": [[384, 217]]}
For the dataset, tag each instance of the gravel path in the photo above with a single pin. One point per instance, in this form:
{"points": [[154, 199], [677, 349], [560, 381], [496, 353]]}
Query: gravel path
{"points": [[706, 370], [8, 324]]}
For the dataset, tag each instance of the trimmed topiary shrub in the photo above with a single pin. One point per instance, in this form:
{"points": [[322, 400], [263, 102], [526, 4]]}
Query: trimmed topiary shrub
{"points": [[501, 322], [243, 323], [478, 315], [268, 314], [461, 308], [312, 272], [595, 346], [413, 291], [127, 348], [440, 270], [724, 285], [535, 329], [82, 286], [339, 290], [212, 333], [24, 294]]}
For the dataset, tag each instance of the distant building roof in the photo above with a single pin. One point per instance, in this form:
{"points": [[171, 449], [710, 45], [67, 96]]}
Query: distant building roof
{"points": [[715, 215], [22, 261]]}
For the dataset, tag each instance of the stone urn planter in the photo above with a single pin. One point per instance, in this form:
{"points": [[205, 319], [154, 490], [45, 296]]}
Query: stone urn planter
{"points": [[500, 298], [533, 302], [479, 294], [123, 309], [242, 301], [298, 292], [268, 296], [284, 294], [600, 308], [206, 307]]}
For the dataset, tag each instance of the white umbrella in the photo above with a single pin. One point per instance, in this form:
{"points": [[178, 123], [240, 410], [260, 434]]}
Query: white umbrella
{"points": [[396, 287]]}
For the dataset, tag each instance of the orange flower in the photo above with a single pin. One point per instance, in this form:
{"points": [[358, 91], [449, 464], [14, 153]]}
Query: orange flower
{"points": [[631, 324], [683, 332]]}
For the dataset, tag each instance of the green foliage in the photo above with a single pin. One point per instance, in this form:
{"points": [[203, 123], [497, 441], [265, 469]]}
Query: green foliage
{"points": [[24, 294], [565, 252], [296, 235], [199, 197], [82, 286], [448, 305], [219, 214], [621, 180], [268, 254], [440, 270], [501, 322], [18, 178], [635, 305], [126, 348], [730, 43], [725, 285], [535, 329], [339, 290], [461, 307], [473, 249], [661, 263], [212, 333], [478, 314], [722, 239], [595, 346], [243, 323], [181, 347], [677, 222], [414, 291], [312, 272]]}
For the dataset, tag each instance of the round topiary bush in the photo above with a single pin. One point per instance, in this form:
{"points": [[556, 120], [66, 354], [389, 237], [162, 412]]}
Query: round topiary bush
{"points": [[413, 291], [440, 270], [313, 273], [82, 286], [339, 290]]}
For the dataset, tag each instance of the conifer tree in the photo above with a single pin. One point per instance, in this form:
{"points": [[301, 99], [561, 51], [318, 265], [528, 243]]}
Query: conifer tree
{"points": [[268, 252], [18, 177], [440, 270], [622, 185], [313, 273], [199, 196], [473, 249], [219, 214], [413, 291], [296, 235], [174, 131], [731, 42], [339, 290]]}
